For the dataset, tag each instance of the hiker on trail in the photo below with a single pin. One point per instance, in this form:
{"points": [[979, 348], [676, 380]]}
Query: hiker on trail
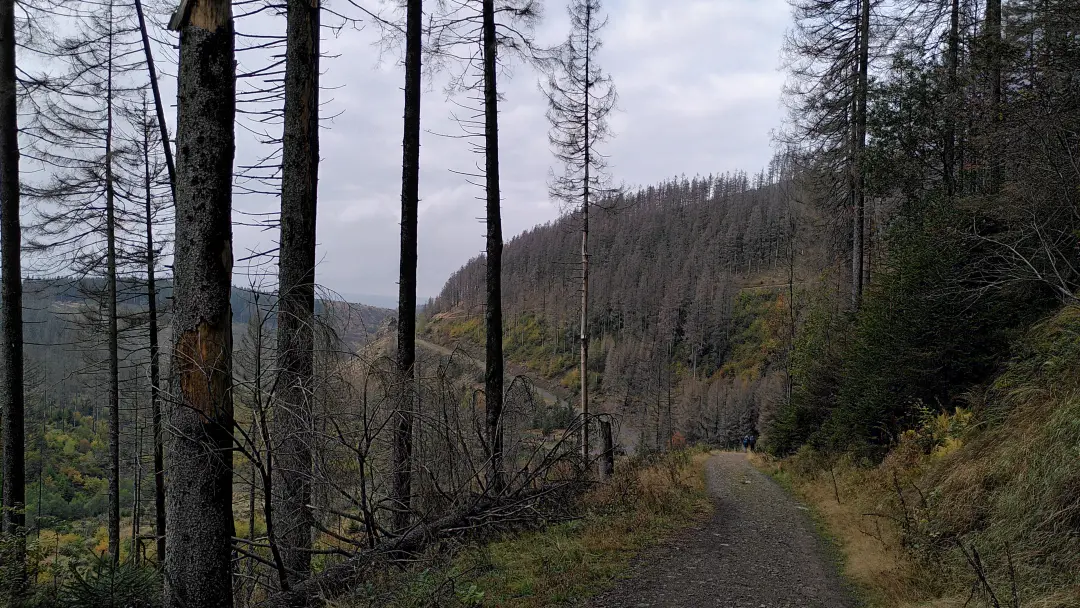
{"points": [[745, 442], [753, 442]]}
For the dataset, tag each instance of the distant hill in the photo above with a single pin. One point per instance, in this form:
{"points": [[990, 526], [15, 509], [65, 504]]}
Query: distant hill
{"points": [[688, 292], [390, 302]]}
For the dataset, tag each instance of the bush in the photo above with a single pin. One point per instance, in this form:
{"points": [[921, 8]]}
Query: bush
{"points": [[926, 334], [106, 585]]}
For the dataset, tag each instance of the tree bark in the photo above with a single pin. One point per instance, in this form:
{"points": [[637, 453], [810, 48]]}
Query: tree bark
{"points": [[859, 177], [11, 325], [493, 374], [296, 286], [952, 64], [607, 461], [585, 255], [113, 337], [198, 568], [993, 49], [406, 328], [155, 358]]}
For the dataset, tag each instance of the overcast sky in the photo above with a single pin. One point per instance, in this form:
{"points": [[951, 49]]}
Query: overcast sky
{"points": [[699, 90]]}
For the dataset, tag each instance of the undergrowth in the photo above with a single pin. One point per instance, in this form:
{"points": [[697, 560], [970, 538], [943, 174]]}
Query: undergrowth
{"points": [[979, 506], [563, 563]]}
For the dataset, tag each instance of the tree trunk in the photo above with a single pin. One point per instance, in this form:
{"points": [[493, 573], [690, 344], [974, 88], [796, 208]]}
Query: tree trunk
{"points": [[113, 338], [607, 462], [155, 358], [493, 375], [296, 286], [137, 467], [159, 106], [994, 50], [199, 507], [859, 224], [952, 64], [585, 259], [11, 327], [406, 328]]}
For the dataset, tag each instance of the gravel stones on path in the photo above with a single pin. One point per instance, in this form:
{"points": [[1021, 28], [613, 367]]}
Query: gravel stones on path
{"points": [[759, 549]]}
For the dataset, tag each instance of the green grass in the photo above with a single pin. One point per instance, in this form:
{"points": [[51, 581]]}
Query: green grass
{"points": [[564, 563]]}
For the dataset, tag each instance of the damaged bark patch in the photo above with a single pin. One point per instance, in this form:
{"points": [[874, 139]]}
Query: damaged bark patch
{"points": [[210, 15], [202, 363]]}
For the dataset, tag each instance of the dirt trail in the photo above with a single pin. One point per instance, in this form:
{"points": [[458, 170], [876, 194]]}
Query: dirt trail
{"points": [[758, 550], [461, 354]]}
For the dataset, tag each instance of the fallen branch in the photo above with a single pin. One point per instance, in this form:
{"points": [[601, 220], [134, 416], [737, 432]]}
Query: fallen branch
{"points": [[340, 578]]}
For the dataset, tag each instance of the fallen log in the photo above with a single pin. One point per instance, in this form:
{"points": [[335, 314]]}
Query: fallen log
{"points": [[338, 579]]}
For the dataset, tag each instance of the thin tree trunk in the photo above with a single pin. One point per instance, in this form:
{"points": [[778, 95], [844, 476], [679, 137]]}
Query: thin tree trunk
{"points": [[159, 106], [607, 461], [859, 224], [113, 338], [199, 512], [952, 64], [11, 328], [493, 375], [585, 259], [155, 357], [137, 465], [406, 328], [994, 49], [296, 286]]}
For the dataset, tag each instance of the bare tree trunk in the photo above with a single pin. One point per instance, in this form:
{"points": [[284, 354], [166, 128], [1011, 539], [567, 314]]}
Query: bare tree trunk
{"points": [[406, 328], [155, 358], [493, 376], [585, 259], [159, 106], [198, 568], [113, 338], [296, 286], [135, 494], [11, 327], [994, 49], [585, 317], [859, 224], [952, 64], [607, 461]]}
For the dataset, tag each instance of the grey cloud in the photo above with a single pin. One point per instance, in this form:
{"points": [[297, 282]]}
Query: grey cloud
{"points": [[699, 92]]}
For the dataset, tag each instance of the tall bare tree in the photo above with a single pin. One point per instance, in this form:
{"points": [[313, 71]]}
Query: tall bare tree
{"points": [[296, 285], [493, 320], [11, 329], [159, 105], [200, 443], [580, 98], [81, 224], [410, 200]]}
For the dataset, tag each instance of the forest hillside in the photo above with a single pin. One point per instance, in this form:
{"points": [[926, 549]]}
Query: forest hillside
{"points": [[690, 301]]}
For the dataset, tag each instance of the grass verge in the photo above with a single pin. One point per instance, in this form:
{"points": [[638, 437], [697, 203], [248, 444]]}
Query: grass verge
{"points": [[564, 563]]}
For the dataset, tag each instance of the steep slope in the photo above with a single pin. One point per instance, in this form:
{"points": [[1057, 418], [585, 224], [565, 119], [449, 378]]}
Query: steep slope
{"points": [[690, 303]]}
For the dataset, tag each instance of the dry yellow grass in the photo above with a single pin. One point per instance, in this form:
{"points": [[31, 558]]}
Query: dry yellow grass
{"points": [[566, 562]]}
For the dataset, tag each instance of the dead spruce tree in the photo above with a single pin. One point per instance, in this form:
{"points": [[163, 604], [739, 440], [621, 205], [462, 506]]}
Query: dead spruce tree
{"points": [[580, 96], [473, 33], [83, 226], [296, 285], [12, 517], [828, 55], [200, 442], [406, 327]]}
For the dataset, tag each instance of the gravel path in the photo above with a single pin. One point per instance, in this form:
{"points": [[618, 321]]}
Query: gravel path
{"points": [[759, 550]]}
